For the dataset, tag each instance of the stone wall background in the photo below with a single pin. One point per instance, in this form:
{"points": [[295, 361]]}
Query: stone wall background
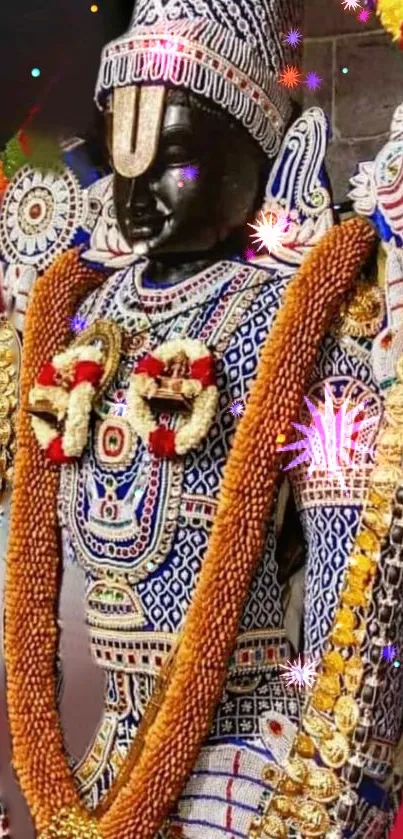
{"points": [[359, 104]]}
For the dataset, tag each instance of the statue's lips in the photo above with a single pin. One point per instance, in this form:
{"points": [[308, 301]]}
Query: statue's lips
{"points": [[147, 226]]}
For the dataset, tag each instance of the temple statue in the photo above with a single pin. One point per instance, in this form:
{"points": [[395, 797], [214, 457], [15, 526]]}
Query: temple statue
{"points": [[198, 420]]}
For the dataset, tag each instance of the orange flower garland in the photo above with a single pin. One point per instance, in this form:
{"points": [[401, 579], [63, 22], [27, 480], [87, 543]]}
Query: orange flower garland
{"points": [[148, 789]]}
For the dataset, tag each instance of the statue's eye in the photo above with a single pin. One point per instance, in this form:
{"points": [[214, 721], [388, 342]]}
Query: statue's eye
{"points": [[176, 155]]}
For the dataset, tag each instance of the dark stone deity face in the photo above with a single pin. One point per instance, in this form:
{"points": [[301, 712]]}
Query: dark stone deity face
{"points": [[205, 183]]}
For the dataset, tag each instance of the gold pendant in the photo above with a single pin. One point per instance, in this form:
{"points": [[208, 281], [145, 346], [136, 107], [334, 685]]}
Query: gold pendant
{"points": [[334, 752], [323, 785], [346, 714], [353, 674], [108, 336], [313, 819], [274, 827]]}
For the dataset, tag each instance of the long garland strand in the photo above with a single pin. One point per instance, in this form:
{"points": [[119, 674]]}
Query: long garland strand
{"points": [[33, 561], [173, 740]]}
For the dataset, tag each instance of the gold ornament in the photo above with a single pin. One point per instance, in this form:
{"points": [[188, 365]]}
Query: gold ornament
{"points": [[323, 785], [305, 745], [108, 336], [329, 683], [271, 774], [313, 819], [334, 752], [317, 727], [333, 662], [296, 769], [283, 806], [322, 701], [274, 827], [362, 315], [346, 714]]}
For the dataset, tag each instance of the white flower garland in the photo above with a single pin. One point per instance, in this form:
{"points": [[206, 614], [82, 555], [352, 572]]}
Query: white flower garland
{"points": [[144, 386], [71, 403]]}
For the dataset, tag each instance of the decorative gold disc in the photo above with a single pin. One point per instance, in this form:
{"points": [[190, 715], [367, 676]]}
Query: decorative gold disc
{"points": [[313, 819], [334, 752], [346, 714], [323, 785], [353, 674], [274, 827]]}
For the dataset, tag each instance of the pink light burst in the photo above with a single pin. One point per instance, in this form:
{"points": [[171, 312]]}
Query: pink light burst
{"points": [[330, 442], [299, 673], [364, 16]]}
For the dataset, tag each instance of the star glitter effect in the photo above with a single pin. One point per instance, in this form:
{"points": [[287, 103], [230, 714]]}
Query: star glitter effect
{"points": [[364, 16], [299, 673], [312, 81], [293, 38], [389, 652], [351, 5], [249, 255], [290, 77], [270, 230], [237, 409], [330, 442], [77, 323], [190, 172]]}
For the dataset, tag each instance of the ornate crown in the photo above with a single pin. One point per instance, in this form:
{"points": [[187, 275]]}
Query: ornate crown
{"points": [[226, 51]]}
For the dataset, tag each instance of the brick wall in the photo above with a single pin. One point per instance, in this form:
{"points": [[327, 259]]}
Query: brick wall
{"points": [[360, 103]]}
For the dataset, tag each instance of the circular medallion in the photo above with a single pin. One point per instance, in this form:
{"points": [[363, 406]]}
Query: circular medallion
{"points": [[274, 827], [317, 728], [313, 819], [41, 213], [305, 746], [333, 662], [6, 333], [4, 379], [353, 674], [346, 714], [334, 752], [4, 407], [283, 806], [5, 431], [323, 784], [6, 356], [296, 769]]}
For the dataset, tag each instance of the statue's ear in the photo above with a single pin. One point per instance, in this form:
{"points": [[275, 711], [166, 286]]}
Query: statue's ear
{"points": [[299, 188]]}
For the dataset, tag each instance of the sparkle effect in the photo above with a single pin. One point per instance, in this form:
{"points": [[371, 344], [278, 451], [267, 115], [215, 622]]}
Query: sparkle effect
{"points": [[270, 230], [293, 38], [301, 674], [330, 441], [237, 408], [290, 77], [249, 255], [312, 81], [389, 652], [190, 172], [364, 16], [77, 323], [351, 5]]}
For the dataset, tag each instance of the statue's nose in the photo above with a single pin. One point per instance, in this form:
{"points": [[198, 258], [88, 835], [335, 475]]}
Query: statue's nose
{"points": [[140, 198]]}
